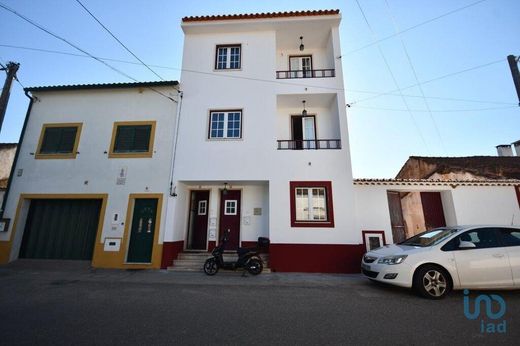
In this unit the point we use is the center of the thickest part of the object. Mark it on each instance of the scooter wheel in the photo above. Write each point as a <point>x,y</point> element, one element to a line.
<point>255,266</point>
<point>210,266</point>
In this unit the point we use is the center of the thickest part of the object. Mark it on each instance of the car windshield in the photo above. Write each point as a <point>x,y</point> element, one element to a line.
<point>429,238</point>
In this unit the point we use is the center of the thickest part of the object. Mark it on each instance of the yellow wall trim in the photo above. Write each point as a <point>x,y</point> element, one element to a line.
<point>149,153</point>
<point>105,259</point>
<point>71,155</point>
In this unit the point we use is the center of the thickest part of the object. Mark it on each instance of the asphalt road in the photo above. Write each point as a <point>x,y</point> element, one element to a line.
<point>69,303</point>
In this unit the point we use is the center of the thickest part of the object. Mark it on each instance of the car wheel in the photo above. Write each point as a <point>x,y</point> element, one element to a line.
<point>432,282</point>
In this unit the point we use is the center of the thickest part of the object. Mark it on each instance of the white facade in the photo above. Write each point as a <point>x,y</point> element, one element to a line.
<point>253,163</point>
<point>92,171</point>
<point>469,203</point>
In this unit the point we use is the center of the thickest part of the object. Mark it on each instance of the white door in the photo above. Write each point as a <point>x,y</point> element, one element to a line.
<point>487,264</point>
<point>300,66</point>
<point>309,133</point>
<point>511,239</point>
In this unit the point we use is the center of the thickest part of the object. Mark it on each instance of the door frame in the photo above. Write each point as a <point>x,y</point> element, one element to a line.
<point>301,56</point>
<point>156,247</point>
<point>187,225</point>
<point>6,247</point>
<point>219,204</point>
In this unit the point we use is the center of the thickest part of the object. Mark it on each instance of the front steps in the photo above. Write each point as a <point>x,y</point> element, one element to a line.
<point>194,261</point>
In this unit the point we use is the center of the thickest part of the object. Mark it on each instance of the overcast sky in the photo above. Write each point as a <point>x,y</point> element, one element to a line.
<point>465,114</point>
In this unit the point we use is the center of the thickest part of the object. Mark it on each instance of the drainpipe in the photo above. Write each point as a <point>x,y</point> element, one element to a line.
<point>17,153</point>
<point>174,150</point>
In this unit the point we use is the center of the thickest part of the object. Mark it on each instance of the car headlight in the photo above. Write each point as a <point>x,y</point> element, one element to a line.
<point>392,259</point>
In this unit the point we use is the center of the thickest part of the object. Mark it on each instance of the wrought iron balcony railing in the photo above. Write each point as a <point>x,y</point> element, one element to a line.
<point>309,144</point>
<point>321,73</point>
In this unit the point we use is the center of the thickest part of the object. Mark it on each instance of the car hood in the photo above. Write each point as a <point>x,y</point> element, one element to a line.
<point>394,249</point>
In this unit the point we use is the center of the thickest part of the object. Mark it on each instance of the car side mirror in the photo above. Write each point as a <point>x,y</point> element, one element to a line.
<point>466,245</point>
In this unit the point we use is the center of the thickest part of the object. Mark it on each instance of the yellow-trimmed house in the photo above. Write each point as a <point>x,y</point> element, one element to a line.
<point>69,199</point>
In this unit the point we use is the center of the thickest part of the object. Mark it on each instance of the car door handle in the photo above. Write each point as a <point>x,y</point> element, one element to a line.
<point>498,255</point>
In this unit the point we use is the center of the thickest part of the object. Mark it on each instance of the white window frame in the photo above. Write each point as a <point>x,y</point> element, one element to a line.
<point>226,122</point>
<point>235,206</point>
<point>202,208</point>
<point>373,235</point>
<point>310,207</point>
<point>228,57</point>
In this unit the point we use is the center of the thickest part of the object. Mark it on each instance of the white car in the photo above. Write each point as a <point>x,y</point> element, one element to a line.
<point>460,257</point>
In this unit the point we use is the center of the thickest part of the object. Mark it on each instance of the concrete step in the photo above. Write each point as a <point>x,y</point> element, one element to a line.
<point>194,261</point>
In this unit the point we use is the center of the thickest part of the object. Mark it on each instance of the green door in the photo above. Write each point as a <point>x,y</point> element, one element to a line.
<point>143,230</point>
<point>61,229</point>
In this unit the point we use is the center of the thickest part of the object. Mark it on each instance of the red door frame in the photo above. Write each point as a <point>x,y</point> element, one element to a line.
<point>224,219</point>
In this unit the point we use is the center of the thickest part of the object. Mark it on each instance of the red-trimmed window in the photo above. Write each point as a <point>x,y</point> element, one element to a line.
<point>311,204</point>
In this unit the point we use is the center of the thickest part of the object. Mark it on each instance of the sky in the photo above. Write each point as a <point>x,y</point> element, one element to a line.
<point>448,86</point>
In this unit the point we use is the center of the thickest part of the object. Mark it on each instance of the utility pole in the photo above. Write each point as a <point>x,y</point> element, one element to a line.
<point>10,69</point>
<point>513,65</point>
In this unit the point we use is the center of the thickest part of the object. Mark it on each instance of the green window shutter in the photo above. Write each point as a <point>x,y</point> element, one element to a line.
<point>67,140</point>
<point>58,140</point>
<point>131,138</point>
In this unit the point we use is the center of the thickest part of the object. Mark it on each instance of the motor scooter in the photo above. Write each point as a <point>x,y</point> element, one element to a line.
<point>248,258</point>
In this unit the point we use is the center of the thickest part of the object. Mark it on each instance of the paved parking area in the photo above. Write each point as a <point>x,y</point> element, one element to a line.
<point>64,303</point>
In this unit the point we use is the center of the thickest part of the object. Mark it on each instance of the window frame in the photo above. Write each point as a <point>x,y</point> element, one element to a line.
<point>228,62</point>
<point>327,185</point>
<point>144,154</point>
<point>226,116</point>
<point>235,206</point>
<point>72,155</point>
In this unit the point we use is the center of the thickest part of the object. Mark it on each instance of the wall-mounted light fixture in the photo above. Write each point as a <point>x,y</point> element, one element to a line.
<point>304,112</point>
<point>225,189</point>
<point>302,47</point>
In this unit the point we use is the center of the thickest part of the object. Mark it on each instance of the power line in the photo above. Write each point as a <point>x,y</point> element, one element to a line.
<point>451,74</point>
<point>78,48</point>
<point>436,111</point>
<point>118,40</point>
<point>414,27</point>
<point>414,121</point>
<point>49,51</point>
<point>394,21</point>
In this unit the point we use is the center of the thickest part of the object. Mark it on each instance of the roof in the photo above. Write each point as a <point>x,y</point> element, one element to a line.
<point>260,15</point>
<point>428,182</point>
<point>8,145</point>
<point>103,86</point>
<point>487,167</point>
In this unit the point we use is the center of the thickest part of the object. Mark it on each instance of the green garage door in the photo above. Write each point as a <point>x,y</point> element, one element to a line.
<point>61,229</point>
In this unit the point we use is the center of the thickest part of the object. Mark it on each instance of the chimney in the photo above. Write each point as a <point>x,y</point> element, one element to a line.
<point>517,147</point>
<point>504,150</point>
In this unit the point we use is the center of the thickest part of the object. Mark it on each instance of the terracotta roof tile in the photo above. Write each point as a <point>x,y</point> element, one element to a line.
<point>260,15</point>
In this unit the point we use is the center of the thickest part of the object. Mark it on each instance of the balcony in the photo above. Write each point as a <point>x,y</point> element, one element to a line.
<point>291,74</point>
<point>309,144</point>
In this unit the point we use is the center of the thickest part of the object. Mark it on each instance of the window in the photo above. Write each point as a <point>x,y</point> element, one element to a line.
<point>228,57</point>
<point>483,238</point>
<point>373,239</point>
<point>225,124</point>
<point>311,204</point>
<point>132,139</point>
<point>203,206</point>
<point>510,236</point>
<point>300,66</point>
<point>231,207</point>
<point>58,141</point>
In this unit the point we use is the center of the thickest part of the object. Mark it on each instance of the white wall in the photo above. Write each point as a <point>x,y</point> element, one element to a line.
<point>254,157</point>
<point>463,205</point>
<point>92,171</point>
